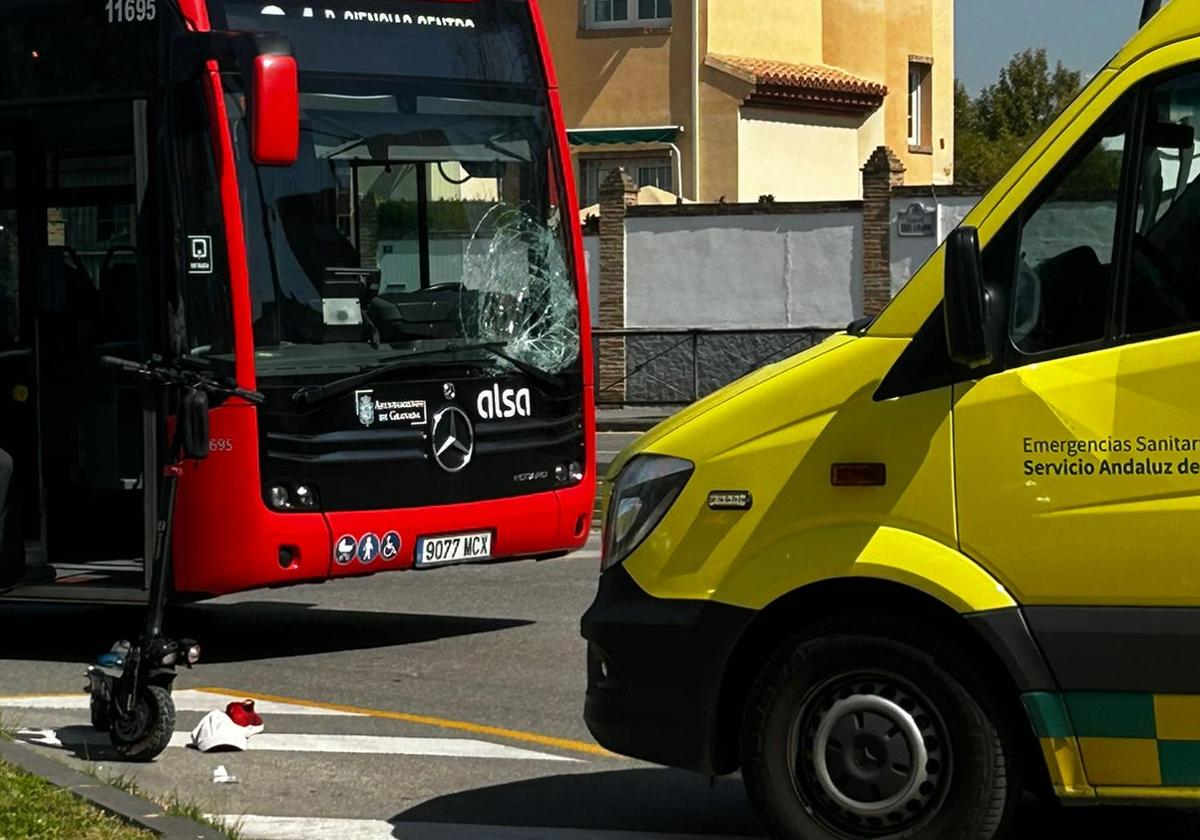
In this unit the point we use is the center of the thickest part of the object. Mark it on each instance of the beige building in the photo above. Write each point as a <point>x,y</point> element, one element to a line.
<point>772,97</point>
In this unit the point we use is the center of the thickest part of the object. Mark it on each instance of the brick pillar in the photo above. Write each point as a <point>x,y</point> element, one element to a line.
<point>617,194</point>
<point>882,172</point>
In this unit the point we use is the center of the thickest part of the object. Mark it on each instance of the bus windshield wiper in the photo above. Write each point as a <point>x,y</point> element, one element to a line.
<point>312,395</point>
<point>532,371</point>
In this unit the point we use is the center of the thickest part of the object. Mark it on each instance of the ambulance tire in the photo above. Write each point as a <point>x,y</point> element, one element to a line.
<point>878,728</point>
<point>148,732</point>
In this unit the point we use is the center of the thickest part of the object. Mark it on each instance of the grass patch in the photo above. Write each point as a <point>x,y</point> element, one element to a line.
<point>174,806</point>
<point>171,804</point>
<point>33,809</point>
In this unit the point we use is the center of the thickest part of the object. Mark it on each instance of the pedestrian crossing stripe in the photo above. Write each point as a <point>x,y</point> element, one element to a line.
<point>323,743</point>
<point>288,828</point>
<point>188,700</point>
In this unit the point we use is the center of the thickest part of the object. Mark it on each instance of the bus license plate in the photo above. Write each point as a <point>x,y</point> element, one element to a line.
<point>460,548</point>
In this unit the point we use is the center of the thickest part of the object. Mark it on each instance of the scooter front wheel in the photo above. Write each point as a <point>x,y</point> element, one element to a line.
<point>101,717</point>
<point>144,734</point>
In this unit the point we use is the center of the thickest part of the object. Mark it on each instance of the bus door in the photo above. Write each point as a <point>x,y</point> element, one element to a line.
<point>82,175</point>
<point>18,372</point>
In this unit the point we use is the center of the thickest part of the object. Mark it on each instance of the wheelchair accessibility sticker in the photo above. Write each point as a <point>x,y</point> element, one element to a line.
<point>390,548</point>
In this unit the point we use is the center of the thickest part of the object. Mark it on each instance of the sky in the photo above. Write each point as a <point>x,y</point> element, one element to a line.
<point>1083,34</point>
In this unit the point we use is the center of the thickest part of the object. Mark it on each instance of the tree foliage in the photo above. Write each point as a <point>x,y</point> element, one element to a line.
<point>994,128</point>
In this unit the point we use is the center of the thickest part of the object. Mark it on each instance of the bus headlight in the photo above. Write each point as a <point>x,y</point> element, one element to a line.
<point>641,496</point>
<point>292,497</point>
<point>279,498</point>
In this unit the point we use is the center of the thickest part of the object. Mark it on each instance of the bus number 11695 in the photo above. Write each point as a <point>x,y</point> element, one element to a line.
<point>130,11</point>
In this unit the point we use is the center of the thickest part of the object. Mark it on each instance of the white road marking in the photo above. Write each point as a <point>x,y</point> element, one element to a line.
<point>319,828</point>
<point>185,701</point>
<point>303,743</point>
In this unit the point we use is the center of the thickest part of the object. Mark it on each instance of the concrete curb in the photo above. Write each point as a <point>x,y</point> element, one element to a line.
<point>133,809</point>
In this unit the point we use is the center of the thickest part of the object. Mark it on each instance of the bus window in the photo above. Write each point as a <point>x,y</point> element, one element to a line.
<point>443,190</point>
<point>207,304</point>
<point>10,286</point>
<point>59,48</point>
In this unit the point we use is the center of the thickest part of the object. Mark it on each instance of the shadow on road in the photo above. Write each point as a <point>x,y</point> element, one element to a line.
<point>82,742</point>
<point>644,799</point>
<point>244,632</point>
<point>677,803</point>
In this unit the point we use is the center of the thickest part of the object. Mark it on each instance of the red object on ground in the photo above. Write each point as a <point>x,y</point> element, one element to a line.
<point>243,714</point>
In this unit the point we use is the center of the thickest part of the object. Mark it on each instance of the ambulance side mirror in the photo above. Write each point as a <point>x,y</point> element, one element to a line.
<point>192,424</point>
<point>274,111</point>
<point>966,300</point>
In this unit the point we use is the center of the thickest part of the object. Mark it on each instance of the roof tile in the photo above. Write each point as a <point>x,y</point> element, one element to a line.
<point>803,76</point>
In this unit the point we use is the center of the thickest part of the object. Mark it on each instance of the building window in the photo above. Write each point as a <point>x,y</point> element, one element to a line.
<point>114,224</point>
<point>656,175</point>
<point>649,171</point>
<point>920,106</point>
<point>604,14</point>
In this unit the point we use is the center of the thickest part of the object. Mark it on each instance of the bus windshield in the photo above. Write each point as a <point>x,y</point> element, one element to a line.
<point>425,210</point>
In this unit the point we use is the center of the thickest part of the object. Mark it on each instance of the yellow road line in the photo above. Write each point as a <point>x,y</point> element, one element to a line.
<point>426,720</point>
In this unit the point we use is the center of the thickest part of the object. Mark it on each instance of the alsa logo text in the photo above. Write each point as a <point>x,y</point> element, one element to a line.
<point>506,403</point>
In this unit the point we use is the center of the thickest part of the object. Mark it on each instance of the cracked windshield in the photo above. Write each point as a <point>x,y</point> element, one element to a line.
<point>420,219</point>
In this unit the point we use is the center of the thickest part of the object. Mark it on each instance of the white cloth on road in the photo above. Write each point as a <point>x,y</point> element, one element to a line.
<point>217,731</point>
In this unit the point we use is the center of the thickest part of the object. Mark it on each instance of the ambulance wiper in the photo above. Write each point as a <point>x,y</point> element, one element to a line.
<point>313,395</point>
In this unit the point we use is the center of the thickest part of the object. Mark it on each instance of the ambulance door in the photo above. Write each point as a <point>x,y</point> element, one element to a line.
<point>1078,465</point>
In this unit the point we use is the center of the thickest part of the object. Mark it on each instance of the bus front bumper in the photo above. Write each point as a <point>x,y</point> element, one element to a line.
<point>655,671</point>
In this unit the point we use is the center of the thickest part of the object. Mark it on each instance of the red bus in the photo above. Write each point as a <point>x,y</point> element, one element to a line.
<point>364,211</point>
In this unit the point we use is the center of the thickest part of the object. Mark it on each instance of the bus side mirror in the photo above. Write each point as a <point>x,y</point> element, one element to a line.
<point>966,300</point>
<point>274,111</point>
<point>192,424</point>
<point>271,79</point>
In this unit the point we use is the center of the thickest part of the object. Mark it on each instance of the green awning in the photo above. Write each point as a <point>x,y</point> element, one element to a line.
<point>623,136</point>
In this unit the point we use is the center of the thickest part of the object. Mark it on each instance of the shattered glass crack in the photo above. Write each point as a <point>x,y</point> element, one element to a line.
<point>517,267</point>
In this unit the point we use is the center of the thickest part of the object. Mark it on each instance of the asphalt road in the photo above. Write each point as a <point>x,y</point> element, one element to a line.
<point>425,705</point>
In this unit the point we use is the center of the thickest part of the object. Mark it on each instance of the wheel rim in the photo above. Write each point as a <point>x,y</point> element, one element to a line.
<point>130,729</point>
<point>871,755</point>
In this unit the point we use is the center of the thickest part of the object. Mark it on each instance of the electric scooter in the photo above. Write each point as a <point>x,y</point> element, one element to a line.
<point>130,686</point>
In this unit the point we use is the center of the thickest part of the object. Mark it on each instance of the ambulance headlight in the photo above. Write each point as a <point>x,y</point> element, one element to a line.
<point>641,496</point>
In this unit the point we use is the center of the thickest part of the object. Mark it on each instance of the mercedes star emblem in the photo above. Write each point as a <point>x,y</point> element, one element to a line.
<point>453,439</point>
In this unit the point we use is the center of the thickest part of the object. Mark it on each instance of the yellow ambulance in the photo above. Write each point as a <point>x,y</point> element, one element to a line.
<point>953,554</point>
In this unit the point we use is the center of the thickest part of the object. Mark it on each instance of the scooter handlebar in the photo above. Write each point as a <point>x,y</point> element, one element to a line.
<point>183,378</point>
<point>115,363</point>
<point>254,397</point>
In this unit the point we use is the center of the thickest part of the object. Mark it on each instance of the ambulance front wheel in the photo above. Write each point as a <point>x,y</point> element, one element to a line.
<point>872,728</point>
<point>145,734</point>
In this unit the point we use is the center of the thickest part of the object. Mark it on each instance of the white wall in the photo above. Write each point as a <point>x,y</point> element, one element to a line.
<point>591,262</point>
<point>1061,226</point>
<point>909,253</point>
<point>744,271</point>
<point>798,157</point>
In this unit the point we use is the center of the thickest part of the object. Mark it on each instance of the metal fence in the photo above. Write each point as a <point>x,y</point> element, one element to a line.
<point>672,367</point>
